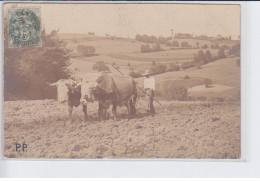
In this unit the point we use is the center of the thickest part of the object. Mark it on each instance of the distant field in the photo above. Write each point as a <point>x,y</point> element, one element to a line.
<point>146,59</point>
<point>226,42</point>
<point>223,73</point>
<point>107,46</point>
<point>193,42</point>
<point>168,55</point>
<point>123,51</point>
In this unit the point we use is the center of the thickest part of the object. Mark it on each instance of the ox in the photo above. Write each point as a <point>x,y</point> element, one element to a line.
<point>69,91</point>
<point>108,89</point>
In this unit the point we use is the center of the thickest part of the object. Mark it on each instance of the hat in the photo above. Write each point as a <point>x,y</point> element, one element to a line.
<point>147,72</point>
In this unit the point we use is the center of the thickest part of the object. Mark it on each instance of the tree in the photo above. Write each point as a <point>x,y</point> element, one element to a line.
<point>215,46</point>
<point>188,64</point>
<point>195,58</point>
<point>146,38</point>
<point>235,50</point>
<point>145,48</point>
<point>185,44</point>
<point>205,46</point>
<point>175,44</point>
<point>157,47</point>
<point>86,50</point>
<point>152,39</point>
<point>173,67</point>
<point>168,43</point>
<point>158,68</point>
<point>100,66</point>
<point>91,33</point>
<point>139,37</point>
<point>201,57</point>
<point>208,56</point>
<point>221,53</point>
<point>161,40</point>
<point>225,47</point>
<point>28,71</point>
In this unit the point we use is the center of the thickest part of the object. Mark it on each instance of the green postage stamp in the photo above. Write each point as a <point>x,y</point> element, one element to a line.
<point>24,27</point>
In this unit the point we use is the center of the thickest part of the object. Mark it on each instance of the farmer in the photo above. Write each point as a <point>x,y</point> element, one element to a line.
<point>149,87</point>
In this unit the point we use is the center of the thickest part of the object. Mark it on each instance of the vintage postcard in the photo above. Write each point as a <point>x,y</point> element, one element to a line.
<point>121,81</point>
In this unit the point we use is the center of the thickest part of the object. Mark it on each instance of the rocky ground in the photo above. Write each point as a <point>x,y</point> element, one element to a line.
<point>178,130</point>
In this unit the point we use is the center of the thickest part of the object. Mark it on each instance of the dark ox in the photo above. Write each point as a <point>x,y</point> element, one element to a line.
<point>74,96</point>
<point>117,90</point>
<point>70,91</point>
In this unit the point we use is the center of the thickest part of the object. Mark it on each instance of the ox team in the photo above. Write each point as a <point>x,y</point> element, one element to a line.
<point>108,89</point>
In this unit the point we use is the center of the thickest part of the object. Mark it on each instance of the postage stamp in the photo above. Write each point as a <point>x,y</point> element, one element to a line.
<point>24,27</point>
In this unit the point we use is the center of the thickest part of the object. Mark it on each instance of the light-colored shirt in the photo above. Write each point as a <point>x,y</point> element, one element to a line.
<point>62,90</point>
<point>149,83</point>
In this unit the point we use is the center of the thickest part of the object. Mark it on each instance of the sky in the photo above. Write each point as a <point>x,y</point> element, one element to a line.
<point>127,20</point>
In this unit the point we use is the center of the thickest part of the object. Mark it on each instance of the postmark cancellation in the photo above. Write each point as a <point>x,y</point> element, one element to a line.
<point>24,27</point>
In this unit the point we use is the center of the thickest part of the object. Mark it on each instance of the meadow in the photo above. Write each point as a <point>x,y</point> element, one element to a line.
<point>224,73</point>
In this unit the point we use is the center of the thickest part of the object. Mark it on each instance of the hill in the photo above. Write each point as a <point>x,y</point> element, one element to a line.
<point>225,74</point>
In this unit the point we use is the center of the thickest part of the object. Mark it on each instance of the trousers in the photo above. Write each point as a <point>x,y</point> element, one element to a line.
<point>149,100</point>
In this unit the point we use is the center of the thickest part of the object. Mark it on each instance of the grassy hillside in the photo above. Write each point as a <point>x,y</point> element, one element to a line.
<point>225,74</point>
<point>201,42</point>
<point>162,56</point>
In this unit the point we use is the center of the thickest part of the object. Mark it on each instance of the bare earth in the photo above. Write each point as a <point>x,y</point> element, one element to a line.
<point>178,130</point>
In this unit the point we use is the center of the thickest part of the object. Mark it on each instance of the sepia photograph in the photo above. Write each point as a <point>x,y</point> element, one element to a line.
<point>121,81</point>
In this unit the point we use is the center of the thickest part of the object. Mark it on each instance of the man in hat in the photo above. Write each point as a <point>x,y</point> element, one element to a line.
<point>149,87</point>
